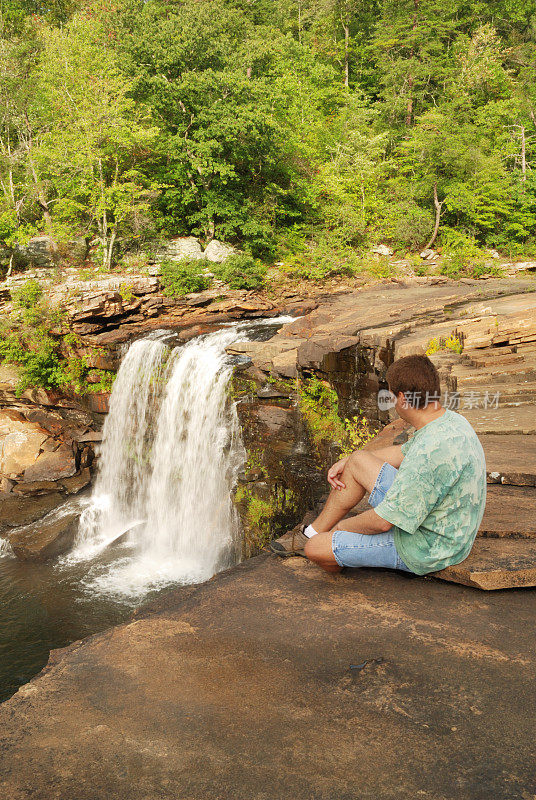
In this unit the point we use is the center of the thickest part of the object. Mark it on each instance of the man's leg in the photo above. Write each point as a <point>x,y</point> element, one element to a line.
<point>359,477</point>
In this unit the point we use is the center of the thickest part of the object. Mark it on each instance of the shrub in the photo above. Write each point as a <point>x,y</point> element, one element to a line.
<point>319,404</point>
<point>182,277</point>
<point>29,295</point>
<point>241,271</point>
<point>463,257</point>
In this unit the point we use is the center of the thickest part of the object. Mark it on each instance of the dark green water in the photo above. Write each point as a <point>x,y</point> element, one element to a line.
<point>42,607</point>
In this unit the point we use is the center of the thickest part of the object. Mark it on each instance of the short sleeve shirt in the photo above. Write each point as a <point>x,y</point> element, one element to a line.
<point>436,502</point>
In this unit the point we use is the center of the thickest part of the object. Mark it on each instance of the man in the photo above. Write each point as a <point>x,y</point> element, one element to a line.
<point>427,496</point>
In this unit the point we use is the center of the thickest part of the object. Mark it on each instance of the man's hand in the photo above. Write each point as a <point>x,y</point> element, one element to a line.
<point>334,472</point>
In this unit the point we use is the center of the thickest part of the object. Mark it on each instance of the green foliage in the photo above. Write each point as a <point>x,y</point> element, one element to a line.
<point>182,277</point>
<point>319,404</point>
<point>304,132</point>
<point>29,295</point>
<point>462,256</point>
<point>241,271</point>
<point>43,360</point>
<point>452,342</point>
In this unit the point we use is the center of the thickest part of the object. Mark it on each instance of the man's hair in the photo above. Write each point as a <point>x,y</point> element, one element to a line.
<point>417,378</point>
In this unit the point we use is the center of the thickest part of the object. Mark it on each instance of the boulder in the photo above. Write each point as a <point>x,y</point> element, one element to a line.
<point>52,466</point>
<point>20,445</point>
<point>77,482</point>
<point>181,248</point>
<point>219,251</point>
<point>427,254</point>
<point>16,510</point>
<point>382,250</point>
<point>47,538</point>
<point>41,251</point>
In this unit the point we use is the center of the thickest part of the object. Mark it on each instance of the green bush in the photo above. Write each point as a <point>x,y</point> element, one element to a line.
<point>241,271</point>
<point>29,295</point>
<point>182,277</point>
<point>463,257</point>
<point>39,363</point>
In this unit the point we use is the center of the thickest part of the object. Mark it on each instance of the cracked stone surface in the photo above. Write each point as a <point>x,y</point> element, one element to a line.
<point>241,689</point>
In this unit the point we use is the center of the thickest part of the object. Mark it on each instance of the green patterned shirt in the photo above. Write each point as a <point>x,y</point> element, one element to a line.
<point>437,500</point>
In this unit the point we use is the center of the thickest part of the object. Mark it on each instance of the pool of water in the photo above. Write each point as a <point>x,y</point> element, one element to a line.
<point>43,607</point>
<point>50,605</point>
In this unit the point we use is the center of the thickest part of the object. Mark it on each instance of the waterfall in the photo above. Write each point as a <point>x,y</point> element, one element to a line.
<point>170,455</point>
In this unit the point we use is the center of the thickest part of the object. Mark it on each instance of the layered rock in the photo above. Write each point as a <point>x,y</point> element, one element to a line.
<point>349,342</point>
<point>46,454</point>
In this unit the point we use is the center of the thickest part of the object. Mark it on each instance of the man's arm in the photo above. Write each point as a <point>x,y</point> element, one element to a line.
<point>392,455</point>
<point>368,522</point>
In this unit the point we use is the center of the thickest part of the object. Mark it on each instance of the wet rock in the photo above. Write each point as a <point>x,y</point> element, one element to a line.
<point>17,510</point>
<point>52,466</point>
<point>219,251</point>
<point>98,402</point>
<point>269,391</point>
<point>47,538</point>
<point>35,487</point>
<point>77,482</point>
<point>274,417</point>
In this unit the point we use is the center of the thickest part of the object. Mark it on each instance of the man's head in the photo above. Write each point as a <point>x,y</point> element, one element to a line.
<point>414,381</point>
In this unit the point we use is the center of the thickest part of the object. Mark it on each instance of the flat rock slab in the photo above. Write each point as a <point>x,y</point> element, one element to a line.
<point>243,690</point>
<point>512,460</point>
<point>504,420</point>
<point>495,564</point>
<point>510,512</point>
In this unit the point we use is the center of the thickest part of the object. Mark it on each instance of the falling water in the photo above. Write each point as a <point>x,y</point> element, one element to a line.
<point>170,456</point>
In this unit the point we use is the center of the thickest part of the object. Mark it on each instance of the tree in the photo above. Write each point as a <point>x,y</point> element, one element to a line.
<point>93,140</point>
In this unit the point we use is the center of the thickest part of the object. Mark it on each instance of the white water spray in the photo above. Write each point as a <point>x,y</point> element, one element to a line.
<point>170,456</point>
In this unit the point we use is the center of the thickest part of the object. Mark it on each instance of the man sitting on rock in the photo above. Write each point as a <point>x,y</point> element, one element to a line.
<point>427,496</point>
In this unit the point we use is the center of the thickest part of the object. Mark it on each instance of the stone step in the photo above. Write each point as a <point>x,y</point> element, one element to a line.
<point>490,357</point>
<point>498,374</point>
<point>512,460</point>
<point>510,513</point>
<point>503,420</point>
<point>474,394</point>
<point>495,564</point>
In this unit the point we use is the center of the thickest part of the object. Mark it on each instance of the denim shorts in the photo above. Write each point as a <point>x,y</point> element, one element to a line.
<point>364,550</point>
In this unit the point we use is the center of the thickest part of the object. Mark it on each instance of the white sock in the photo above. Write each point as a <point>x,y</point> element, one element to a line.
<point>309,531</point>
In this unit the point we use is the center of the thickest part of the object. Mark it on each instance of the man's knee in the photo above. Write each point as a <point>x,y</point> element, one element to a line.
<point>364,467</point>
<point>318,548</point>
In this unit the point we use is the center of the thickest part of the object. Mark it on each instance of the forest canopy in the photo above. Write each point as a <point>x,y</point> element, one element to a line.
<point>288,127</point>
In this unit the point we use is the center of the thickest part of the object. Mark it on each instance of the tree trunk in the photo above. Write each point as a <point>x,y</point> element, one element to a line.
<point>523,153</point>
<point>438,206</point>
<point>346,54</point>
<point>409,106</point>
<point>110,249</point>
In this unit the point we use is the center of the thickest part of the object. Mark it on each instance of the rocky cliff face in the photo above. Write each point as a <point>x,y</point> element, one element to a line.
<point>47,450</point>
